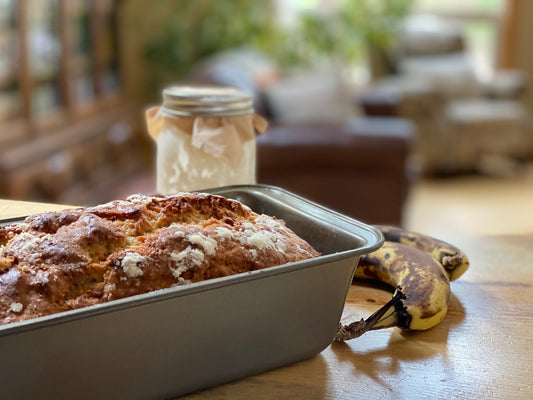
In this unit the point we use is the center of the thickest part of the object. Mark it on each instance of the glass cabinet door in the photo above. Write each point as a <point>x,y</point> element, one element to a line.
<point>108,40</point>
<point>10,97</point>
<point>82,84</point>
<point>44,55</point>
<point>57,57</point>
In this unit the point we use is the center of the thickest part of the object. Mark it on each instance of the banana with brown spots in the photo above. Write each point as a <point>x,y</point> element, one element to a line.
<point>454,261</point>
<point>422,290</point>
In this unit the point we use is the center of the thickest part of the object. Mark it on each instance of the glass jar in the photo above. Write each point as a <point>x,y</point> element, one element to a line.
<point>205,138</point>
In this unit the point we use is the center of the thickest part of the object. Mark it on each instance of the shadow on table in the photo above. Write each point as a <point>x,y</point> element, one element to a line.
<point>402,347</point>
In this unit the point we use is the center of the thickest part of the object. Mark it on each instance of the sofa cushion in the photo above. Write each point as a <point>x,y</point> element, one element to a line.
<point>319,96</point>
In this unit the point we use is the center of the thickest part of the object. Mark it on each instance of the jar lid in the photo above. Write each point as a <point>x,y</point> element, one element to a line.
<point>206,101</point>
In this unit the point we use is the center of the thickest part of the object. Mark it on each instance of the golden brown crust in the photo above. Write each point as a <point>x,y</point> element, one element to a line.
<point>65,260</point>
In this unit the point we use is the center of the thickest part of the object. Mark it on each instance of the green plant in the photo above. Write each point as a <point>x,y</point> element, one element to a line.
<point>196,29</point>
<point>344,33</point>
<point>192,30</point>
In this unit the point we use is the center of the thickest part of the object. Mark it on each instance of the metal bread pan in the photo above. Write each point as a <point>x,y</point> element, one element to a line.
<point>175,341</point>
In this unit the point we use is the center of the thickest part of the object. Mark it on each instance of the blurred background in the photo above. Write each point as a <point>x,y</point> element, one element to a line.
<point>412,112</point>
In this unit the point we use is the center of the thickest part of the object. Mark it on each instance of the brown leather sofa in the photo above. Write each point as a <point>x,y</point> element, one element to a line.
<point>357,168</point>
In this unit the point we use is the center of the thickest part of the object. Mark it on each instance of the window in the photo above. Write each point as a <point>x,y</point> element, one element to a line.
<point>481,21</point>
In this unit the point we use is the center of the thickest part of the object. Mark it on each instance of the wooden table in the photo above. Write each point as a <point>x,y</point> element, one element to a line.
<point>481,350</point>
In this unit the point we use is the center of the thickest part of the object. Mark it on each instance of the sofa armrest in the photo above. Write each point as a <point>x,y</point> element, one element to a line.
<point>379,103</point>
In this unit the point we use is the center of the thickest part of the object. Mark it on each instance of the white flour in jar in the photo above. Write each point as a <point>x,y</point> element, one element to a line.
<point>181,167</point>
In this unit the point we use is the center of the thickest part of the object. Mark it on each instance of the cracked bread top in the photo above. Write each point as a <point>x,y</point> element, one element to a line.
<point>65,260</point>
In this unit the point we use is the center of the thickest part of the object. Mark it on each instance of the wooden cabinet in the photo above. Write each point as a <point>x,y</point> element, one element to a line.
<point>66,132</point>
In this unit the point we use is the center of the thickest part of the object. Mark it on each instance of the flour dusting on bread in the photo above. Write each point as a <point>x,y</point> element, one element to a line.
<point>65,260</point>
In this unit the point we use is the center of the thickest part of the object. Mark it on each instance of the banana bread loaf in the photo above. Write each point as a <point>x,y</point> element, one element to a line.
<point>59,261</point>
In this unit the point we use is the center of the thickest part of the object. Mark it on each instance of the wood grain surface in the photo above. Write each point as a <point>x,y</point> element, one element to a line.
<point>14,208</point>
<point>481,350</point>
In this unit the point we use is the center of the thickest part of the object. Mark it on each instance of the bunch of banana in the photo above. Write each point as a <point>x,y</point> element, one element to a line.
<point>450,257</point>
<point>420,269</point>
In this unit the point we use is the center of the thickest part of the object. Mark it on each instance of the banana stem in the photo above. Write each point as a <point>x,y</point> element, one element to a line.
<point>388,320</point>
<point>386,317</point>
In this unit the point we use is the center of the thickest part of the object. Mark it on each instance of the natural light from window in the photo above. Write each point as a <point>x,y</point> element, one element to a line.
<point>481,20</point>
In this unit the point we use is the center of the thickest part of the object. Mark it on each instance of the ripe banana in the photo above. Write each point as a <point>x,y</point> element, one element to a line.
<point>452,259</point>
<point>420,300</point>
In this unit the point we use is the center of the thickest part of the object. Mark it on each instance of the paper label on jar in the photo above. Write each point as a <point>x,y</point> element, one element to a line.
<point>222,137</point>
